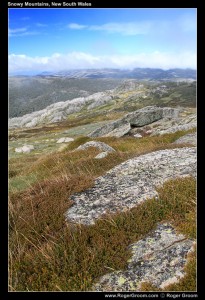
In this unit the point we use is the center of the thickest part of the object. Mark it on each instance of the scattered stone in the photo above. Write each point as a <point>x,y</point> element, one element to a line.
<point>159,259</point>
<point>100,145</point>
<point>137,135</point>
<point>64,140</point>
<point>188,138</point>
<point>102,155</point>
<point>24,149</point>
<point>131,183</point>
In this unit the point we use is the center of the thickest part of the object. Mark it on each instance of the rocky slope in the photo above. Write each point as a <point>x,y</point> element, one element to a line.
<point>129,96</point>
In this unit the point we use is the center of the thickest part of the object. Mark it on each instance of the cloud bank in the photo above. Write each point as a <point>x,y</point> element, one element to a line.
<point>81,60</point>
<point>128,28</point>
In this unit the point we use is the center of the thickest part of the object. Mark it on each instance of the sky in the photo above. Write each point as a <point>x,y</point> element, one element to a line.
<point>53,40</point>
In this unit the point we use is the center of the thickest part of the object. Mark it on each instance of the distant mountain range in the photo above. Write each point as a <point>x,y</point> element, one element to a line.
<point>137,73</point>
<point>28,94</point>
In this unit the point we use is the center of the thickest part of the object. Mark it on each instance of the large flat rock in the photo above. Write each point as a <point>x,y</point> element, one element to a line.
<point>131,183</point>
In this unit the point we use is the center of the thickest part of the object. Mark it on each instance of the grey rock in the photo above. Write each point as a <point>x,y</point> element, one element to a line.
<point>188,138</point>
<point>144,116</point>
<point>159,259</point>
<point>138,118</point>
<point>101,155</point>
<point>100,145</point>
<point>64,140</point>
<point>24,149</point>
<point>170,126</point>
<point>169,112</point>
<point>137,135</point>
<point>175,128</point>
<point>131,183</point>
<point>120,131</point>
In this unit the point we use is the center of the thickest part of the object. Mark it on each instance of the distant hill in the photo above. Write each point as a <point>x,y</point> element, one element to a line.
<point>137,73</point>
<point>129,96</point>
<point>32,93</point>
<point>28,94</point>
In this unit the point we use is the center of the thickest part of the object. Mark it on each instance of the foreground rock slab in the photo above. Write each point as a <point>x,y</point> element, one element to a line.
<point>131,183</point>
<point>159,259</point>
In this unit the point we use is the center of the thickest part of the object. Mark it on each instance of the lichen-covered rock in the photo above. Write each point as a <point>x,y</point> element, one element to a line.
<point>131,183</point>
<point>175,128</point>
<point>170,126</point>
<point>188,138</point>
<point>100,145</point>
<point>158,258</point>
<point>138,118</point>
<point>119,131</point>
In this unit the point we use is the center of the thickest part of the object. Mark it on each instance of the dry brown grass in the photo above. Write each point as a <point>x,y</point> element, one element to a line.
<point>46,253</point>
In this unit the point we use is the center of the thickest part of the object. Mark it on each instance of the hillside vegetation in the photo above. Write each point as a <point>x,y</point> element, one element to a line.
<point>49,253</point>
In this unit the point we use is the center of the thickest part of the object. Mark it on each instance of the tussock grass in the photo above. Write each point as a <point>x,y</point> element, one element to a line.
<point>48,255</point>
<point>31,169</point>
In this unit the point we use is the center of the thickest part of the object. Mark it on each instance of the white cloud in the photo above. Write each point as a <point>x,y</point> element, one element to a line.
<point>25,18</point>
<point>76,26</point>
<point>80,60</point>
<point>129,28</point>
<point>132,28</point>
<point>21,32</point>
<point>41,25</point>
<point>17,30</point>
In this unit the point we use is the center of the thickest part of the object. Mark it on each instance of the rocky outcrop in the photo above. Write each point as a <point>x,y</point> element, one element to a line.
<point>100,145</point>
<point>60,111</point>
<point>171,126</point>
<point>187,138</point>
<point>117,128</point>
<point>131,183</point>
<point>158,258</point>
<point>24,149</point>
<point>138,118</point>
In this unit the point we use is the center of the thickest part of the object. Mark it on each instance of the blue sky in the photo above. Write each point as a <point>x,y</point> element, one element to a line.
<point>58,39</point>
